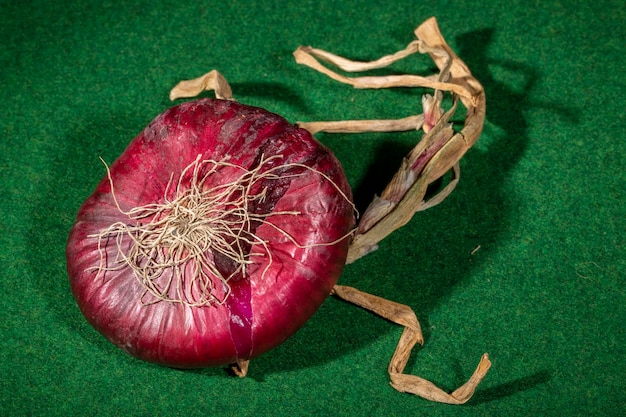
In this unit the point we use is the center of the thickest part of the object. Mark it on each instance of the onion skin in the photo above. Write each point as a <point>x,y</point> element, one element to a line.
<point>261,311</point>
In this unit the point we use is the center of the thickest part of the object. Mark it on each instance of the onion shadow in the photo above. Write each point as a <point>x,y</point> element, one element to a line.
<point>477,213</point>
<point>269,92</point>
<point>511,388</point>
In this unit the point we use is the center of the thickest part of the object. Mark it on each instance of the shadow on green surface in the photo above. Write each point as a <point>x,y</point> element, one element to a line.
<point>511,388</point>
<point>273,92</point>
<point>481,210</point>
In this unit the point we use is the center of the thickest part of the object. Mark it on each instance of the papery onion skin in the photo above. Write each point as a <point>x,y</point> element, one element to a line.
<point>262,311</point>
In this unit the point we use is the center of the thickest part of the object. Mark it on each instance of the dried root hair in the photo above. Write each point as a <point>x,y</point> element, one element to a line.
<point>171,245</point>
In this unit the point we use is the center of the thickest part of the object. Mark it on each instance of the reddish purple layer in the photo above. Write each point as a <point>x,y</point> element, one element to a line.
<point>261,313</point>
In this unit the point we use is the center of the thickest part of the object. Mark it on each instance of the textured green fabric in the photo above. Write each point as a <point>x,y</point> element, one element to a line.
<point>541,194</point>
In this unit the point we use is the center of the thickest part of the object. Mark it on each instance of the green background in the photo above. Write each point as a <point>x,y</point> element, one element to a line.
<point>542,193</point>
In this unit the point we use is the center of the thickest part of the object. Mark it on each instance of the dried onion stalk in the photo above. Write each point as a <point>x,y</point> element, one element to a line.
<point>438,151</point>
<point>172,237</point>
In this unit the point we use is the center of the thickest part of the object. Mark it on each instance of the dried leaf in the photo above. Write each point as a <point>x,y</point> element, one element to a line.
<point>412,335</point>
<point>439,149</point>
<point>212,80</point>
<point>359,126</point>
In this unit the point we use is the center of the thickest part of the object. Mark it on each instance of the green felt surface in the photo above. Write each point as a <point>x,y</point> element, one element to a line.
<point>542,194</point>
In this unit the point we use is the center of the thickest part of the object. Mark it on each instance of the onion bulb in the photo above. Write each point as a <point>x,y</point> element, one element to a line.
<point>214,237</point>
